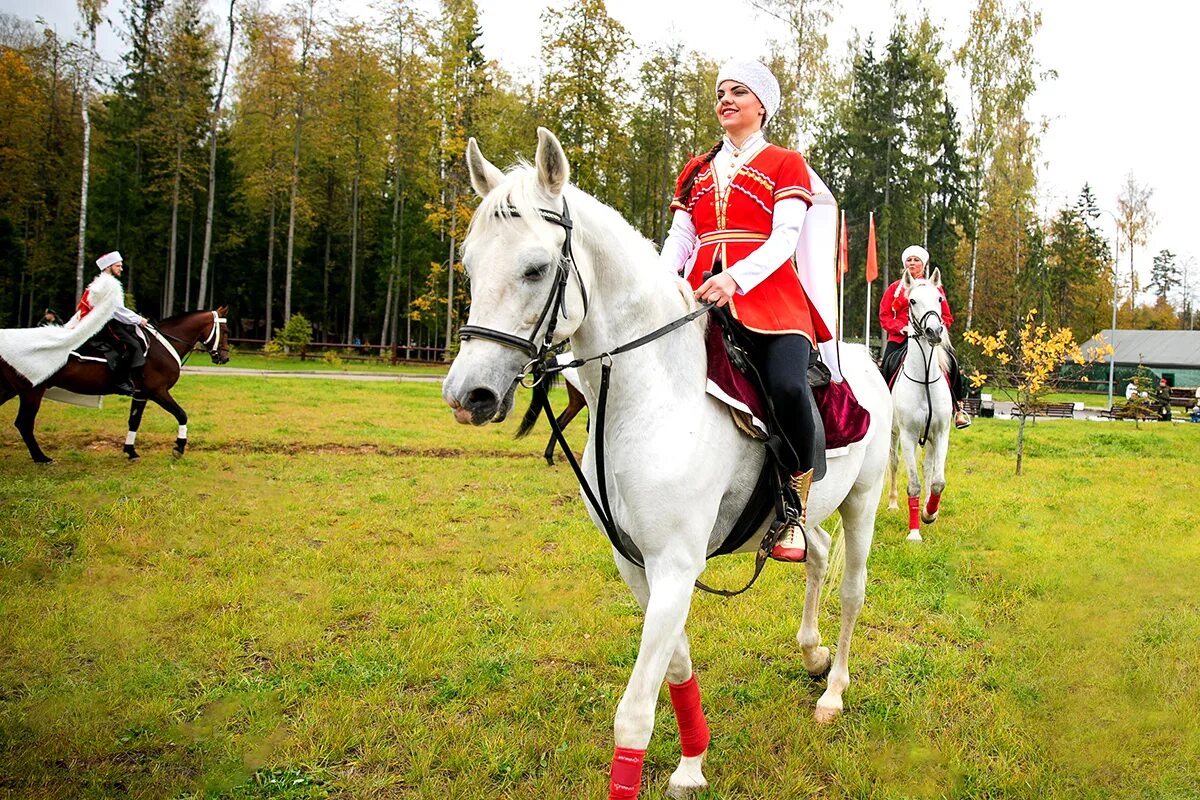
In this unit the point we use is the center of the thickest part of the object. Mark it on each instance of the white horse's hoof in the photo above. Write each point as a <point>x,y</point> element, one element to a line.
<point>687,780</point>
<point>820,664</point>
<point>893,505</point>
<point>824,715</point>
<point>914,535</point>
<point>929,520</point>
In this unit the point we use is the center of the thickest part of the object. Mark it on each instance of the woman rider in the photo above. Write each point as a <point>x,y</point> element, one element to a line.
<point>742,205</point>
<point>893,317</point>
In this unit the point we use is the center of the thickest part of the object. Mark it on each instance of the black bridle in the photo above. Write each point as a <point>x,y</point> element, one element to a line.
<point>929,380</point>
<point>211,343</point>
<point>555,304</point>
<point>543,364</point>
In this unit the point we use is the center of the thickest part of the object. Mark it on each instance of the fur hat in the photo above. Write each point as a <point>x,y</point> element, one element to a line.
<point>108,259</point>
<point>915,250</point>
<point>757,78</point>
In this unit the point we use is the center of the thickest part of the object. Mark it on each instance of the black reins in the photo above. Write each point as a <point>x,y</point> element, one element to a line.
<point>543,364</point>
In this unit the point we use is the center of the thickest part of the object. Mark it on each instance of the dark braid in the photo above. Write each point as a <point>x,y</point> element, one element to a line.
<point>685,190</point>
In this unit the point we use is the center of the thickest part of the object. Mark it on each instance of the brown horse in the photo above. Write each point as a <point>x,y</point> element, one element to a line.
<point>180,334</point>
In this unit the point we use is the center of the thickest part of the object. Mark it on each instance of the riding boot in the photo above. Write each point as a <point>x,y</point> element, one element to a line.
<point>791,545</point>
<point>961,418</point>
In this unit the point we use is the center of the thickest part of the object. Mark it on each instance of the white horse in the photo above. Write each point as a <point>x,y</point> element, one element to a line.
<point>678,470</point>
<point>921,403</point>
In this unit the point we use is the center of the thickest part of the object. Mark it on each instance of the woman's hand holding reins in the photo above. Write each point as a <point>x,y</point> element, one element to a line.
<point>718,289</point>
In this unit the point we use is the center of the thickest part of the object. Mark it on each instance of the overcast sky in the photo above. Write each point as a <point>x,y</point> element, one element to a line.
<point>1120,103</point>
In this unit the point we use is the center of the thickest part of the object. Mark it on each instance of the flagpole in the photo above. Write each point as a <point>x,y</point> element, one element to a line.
<point>870,254</point>
<point>842,279</point>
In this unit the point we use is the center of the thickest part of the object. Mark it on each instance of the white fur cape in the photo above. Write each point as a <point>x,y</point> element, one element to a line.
<point>38,353</point>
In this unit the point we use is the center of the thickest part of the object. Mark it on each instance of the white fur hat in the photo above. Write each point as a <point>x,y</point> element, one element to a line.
<point>108,259</point>
<point>918,251</point>
<point>757,78</point>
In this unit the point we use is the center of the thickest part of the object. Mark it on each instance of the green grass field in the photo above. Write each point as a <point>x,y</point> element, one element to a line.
<point>339,592</point>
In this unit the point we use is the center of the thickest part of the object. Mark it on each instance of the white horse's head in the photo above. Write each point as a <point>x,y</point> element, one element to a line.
<point>527,286</point>
<point>925,306</point>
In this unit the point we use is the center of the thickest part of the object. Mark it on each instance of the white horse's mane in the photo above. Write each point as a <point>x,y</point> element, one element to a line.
<point>520,195</point>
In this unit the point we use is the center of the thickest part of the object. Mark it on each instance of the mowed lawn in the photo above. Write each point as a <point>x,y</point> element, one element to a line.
<point>338,592</point>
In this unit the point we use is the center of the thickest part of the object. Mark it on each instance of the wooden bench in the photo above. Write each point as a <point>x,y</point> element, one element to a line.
<point>1126,411</point>
<point>1183,397</point>
<point>980,406</point>
<point>1058,410</point>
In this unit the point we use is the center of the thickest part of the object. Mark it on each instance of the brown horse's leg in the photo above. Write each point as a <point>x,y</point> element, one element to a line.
<point>575,404</point>
<point>136,407</point>
<point>167,403</point>
<point>31,401</point>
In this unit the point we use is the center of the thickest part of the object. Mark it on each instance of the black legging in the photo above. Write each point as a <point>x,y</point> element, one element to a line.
<point>956,381</point>
<point>135,357</point>
<point>782,360</point>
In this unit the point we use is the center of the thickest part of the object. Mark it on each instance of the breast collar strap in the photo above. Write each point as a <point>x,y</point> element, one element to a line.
<point>556,301</point>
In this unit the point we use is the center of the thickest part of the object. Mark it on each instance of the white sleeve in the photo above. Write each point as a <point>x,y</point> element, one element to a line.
<point>680,244</point>
<point>123,314</point>
<point>776,250</point>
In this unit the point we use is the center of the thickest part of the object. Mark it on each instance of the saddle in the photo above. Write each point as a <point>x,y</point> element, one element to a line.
<point>733,378</point>
<point>105,345</point>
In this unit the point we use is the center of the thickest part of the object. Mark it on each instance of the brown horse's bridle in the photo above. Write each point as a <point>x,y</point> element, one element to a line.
<point>212,342</point>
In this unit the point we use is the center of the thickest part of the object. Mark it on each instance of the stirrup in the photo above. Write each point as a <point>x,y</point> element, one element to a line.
<point>792,544</point>
<point>962,419</point>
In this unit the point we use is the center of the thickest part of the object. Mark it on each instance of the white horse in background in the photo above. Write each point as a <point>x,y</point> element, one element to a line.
<point>678,470</point>
<point>922,405</point>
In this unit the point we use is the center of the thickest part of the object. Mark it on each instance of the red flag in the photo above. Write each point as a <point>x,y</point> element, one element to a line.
<point>843,251</point>
<point>872,260</point>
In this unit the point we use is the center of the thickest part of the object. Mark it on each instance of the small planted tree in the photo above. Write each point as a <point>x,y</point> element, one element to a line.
<point>1027,369</point>
<point>295,335</point>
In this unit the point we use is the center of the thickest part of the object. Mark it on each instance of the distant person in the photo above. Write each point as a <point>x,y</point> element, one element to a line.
<point>122,325</point>
<point>893,316</point>
<point>49,318</point>
<point>1130,391</point>
<point>1163,398</point>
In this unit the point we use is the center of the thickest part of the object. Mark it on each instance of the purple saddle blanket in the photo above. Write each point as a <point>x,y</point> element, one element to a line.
<point>846,421</point>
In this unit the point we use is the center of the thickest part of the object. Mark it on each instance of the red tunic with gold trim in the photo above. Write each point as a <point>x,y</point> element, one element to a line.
<point>733,221</point>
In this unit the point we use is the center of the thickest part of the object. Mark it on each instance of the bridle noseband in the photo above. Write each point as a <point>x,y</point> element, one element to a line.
<point>212,342</point>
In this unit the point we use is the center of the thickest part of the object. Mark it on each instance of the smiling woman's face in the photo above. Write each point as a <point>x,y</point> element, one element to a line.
<point>738,109</point>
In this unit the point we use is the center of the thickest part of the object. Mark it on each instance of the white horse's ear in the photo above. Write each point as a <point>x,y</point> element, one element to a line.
<point>936,277</point>
<point>552,168</point>
<point>484,175</point>
<point>906,280</point>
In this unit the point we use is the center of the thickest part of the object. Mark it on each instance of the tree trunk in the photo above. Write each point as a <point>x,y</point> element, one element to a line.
<point>187,285</point>
<point>974,255</point>
<point>271,266</point>
<point>450,281</point>
<point>353,257</point>
<point>173,245</point>
<point>306,36</point>
<point>399,264</point>
<point>85,101</point>
<point>212,163</point>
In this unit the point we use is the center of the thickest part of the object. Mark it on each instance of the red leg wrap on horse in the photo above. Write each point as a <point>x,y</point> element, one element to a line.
<point>626,773</point>
<point>931,506</point>
<point>914,513</point>
<point>693,727</point>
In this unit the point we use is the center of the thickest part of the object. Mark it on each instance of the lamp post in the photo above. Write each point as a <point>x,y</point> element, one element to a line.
<point>1112,357</point>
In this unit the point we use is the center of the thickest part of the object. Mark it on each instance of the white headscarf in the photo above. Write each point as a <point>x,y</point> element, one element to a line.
<point>915,250</point>
<point>757,78</point>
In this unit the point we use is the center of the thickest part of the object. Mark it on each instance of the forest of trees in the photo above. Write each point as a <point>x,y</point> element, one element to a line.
<point>337,187</point>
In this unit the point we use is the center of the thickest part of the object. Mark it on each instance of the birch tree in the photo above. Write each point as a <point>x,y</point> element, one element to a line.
<point>212,162</point>
<point>997,60</point>
<point>90,11</point>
